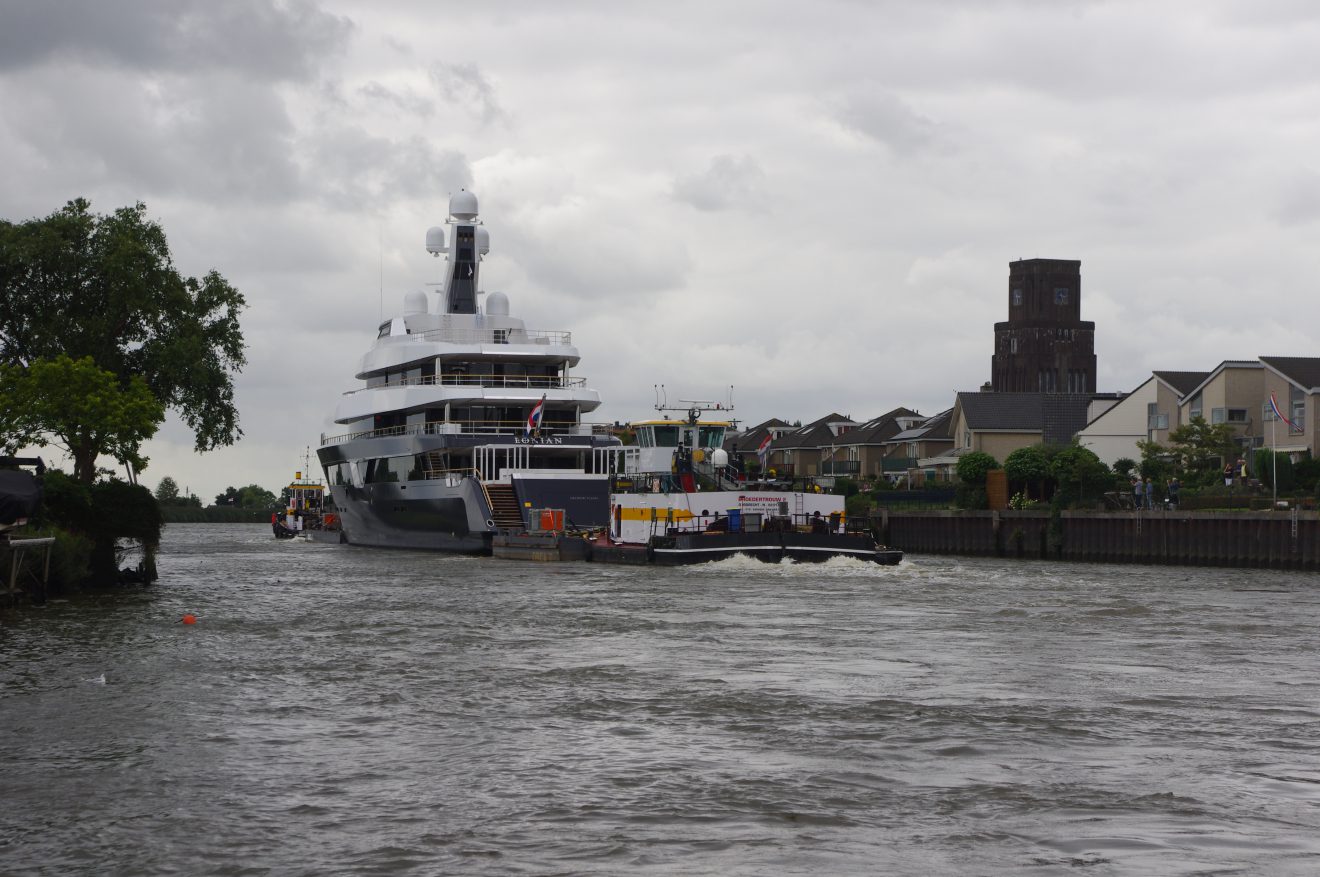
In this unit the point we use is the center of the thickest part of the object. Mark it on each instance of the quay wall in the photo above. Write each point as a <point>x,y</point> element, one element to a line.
<point>1267,540</point>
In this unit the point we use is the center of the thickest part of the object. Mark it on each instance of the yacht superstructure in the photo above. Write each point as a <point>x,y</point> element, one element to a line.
<point>467,419</point>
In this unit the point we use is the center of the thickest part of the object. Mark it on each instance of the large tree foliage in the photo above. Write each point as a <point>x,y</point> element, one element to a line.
<point>1080,473</point>
<point>251,497</point>
<point>1198,451</point>
<point>83,410</point>
<point>105,287</point>
<point>1028,466</point>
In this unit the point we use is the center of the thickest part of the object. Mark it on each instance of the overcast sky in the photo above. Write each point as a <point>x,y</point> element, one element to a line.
<point>815,203</point>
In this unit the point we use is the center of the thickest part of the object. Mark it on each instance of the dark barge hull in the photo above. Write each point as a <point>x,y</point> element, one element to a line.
<point>766,546</point>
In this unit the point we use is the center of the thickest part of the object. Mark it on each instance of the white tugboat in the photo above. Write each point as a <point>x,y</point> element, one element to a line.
<point>468,421</point>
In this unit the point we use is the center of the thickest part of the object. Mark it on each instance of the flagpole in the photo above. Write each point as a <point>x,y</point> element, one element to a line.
<point>1274,459</point>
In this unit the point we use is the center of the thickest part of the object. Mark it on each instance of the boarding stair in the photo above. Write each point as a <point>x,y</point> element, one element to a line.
<point>505,509</point>
<point>434,464</point>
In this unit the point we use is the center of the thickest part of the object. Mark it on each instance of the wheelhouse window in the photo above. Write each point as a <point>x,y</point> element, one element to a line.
<point>666,436</point>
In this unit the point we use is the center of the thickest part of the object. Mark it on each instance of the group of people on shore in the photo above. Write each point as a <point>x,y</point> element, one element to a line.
<point>1143,493</point>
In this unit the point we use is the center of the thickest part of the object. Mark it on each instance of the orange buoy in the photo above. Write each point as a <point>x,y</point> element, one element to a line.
<point>190,619</point>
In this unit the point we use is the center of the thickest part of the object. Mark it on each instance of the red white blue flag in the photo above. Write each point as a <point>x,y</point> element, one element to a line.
<point>763,448</point>
<point>534,419</point>
<point>1274,403</point>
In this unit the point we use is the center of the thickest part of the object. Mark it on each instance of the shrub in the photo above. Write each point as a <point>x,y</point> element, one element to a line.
<point>973,467</point>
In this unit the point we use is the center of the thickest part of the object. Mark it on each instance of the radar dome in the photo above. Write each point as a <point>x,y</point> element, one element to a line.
<point>414,303</point>
<point>463,205</point>
<point>483,240</point>
<point>719,457</point>
<point>497,305</point>
<point>435,240</point>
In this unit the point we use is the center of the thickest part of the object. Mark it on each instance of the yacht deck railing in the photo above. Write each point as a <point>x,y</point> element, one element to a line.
<point>492,381</point>
<point>495,336</point>
<point>483,427</point>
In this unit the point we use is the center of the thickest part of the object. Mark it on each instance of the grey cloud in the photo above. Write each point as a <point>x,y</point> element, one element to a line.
<point>404,100</point>
<point>464,84</point>
<point>256,38</point>
<point>222,138</point>
<point>1300,201</point>
<point>886,119</point>
<point>728,182</point>
<point>353,169</point>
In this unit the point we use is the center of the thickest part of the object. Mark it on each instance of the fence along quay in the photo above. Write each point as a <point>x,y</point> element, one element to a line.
<point>1266,540</point>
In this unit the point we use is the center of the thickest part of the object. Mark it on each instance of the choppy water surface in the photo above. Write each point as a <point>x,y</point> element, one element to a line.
<point>342,710</point>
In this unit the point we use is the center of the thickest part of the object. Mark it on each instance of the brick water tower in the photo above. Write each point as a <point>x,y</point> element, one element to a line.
<point>1045,346</point>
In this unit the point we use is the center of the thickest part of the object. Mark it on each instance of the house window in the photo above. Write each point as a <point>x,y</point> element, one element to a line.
<point>1017,298</point>
<point>1194,409</point>
<point>1154,419</point>
<point>1061,295</point>
<point>1237,415</point>
<point>1298,406</point>
<point>967,438</point>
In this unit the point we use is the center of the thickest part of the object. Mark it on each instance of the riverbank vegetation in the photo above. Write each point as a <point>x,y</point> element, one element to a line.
<point>100,336</point>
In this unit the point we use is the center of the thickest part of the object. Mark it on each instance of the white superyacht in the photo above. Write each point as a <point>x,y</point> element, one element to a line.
<point>468,421</point>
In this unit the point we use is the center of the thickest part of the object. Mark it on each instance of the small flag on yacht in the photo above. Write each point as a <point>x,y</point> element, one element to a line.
<point>534,419</point>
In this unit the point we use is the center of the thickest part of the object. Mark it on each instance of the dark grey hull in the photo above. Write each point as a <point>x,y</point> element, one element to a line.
<point>433,518</point>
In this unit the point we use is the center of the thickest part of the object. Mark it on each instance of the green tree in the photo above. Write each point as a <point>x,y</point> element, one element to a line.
<point>1027,466</point>
<point>1158,463</point>
<point>973,467</point>
<point>1080,473</point>
<point>972,470</point>
<point>1201,449</point>
<point>167,491</point>
<point>105,287</point>
<point>84,410</point>
<point>250,497</point>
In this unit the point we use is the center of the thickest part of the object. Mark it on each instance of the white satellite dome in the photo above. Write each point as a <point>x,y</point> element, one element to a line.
<point>463,205</point>
<point>414,303</point>
<point>497,305</point>
<point>435,240</point>
<point>483,240</point>
<point>719,457</point>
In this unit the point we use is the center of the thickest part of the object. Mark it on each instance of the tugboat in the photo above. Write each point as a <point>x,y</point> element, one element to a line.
<point>466,419</point>
<point>307,514</point>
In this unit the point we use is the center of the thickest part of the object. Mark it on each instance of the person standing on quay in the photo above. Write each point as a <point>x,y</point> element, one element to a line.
<point>1173,491</point>
<point>1136,492</point>
<point>1150,495</point>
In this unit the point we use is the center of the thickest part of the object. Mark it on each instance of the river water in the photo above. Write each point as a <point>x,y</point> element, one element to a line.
<point>353,711</point>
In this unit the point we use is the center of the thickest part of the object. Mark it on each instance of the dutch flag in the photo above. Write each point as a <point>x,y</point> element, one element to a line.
<point>534,419</point>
